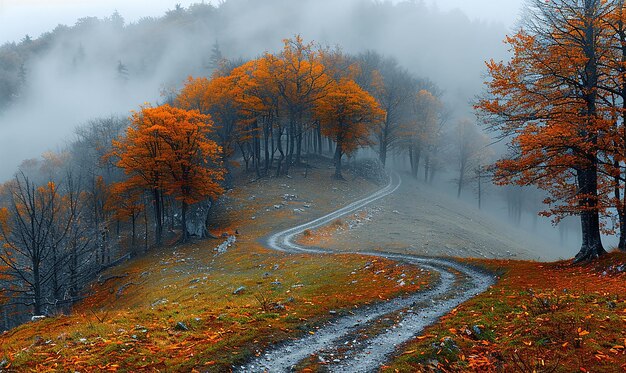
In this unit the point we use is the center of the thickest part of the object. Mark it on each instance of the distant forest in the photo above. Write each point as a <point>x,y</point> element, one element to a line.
<point>179,43</point>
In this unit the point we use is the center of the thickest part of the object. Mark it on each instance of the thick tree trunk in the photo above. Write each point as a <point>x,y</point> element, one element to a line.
<point>589,218</point>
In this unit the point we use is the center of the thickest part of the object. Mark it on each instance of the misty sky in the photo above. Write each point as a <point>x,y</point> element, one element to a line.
<point>33,17</point>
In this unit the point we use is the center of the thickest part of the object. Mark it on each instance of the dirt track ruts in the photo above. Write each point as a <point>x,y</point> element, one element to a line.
<point>456,284</point>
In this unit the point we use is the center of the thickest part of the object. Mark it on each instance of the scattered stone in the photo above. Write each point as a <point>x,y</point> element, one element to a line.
<point>275,268</point>
<point>37,318</point>
<point>477,330</point>
<point>194,281</point>
<point>224,246</point>
<point>278,207</point>
<point>290,300</point>
<point>159,302</point>
<point>239,290</point>
<point>612,305</point>
<point>332,312</point>
<point>180,326</point>
<point>276,283</point>
<point>278,306</point>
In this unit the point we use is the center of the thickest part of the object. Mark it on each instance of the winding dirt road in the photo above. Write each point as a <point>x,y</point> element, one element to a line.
<point>340,344</point>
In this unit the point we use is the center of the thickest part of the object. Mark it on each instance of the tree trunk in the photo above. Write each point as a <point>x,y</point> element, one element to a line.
<point>319,139</point>
<point>37,296</point>
<point>589,218</point>
<point>461,181</point>
<point>158,233</point>
<point>338,155</point>
<point>133,239</point>
<point>183,213</point>
<point>416,161</point>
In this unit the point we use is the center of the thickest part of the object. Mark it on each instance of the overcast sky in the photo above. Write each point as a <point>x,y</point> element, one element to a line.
<point>33,17</point>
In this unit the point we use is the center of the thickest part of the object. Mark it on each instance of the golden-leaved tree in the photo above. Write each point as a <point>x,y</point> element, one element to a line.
<point>547,99</point>
<point>348,115</point>
<point>167,150</point>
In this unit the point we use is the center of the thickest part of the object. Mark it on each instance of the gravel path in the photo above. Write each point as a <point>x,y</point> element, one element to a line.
<point>339,340</point>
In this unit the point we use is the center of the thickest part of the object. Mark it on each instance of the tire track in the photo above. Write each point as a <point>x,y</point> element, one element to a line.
<point>457,283</point>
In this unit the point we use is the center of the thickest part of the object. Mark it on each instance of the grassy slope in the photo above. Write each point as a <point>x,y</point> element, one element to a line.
<point>539,317</point>
<point>130,323</point>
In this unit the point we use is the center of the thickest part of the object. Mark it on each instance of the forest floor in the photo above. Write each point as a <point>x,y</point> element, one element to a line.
<point>195,308</point>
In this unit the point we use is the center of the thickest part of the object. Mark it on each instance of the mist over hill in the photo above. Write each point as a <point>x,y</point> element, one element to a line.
<point>100,67</point>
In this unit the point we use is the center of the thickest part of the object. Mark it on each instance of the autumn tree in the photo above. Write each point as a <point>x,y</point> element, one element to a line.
<point>348,114</point>
<point>546,99</point>
<point>302,80</point>
<point>216,97</point>
<point>166,151</point>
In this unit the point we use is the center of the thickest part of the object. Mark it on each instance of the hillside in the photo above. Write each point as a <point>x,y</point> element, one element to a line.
<point>419,219</point>
<point>193,306</point>
<point>210,307</point>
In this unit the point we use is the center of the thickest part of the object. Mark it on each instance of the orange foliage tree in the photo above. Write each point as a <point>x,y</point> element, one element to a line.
<point>547,100</point>
<point>166,150</point>
<point>347,114</point>
<point>215,97</point>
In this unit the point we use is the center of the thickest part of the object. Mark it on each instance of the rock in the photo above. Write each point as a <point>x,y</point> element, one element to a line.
<point>37,318</point>
<point>275,268</point>
<point>278,306</point>
<point>611,305</point>
<point>278,207</point>
<point>476,329</point>
<point>371,169</point>
<point>180,326</point>
<point>307,205</point>
<point>194,281</point>
<point>332,312</point>
<point>290,300</point>
<point>159,302</point>
<point>239,290</point>
<point>276,283</point>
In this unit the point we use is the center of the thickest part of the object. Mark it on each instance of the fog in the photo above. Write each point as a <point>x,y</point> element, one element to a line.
<point>75,77</point>
<point>72,74</point>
